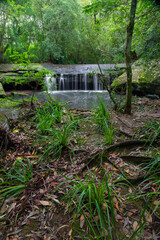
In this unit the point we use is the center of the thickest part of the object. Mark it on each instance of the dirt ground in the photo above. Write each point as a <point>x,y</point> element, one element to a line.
<point>41,211</point>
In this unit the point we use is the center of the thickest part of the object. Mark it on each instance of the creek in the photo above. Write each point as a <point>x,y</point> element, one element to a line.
<point>78,84</point>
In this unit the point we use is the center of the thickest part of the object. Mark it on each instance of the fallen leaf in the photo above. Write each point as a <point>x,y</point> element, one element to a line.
<point>16,130</point>
<point>106,165</point>
<point>126,222</point>
<point>135,225</point>
<point>134,210</point>
<point>118,217</point>
<point>115,200</point>
<point>117,206</point>
<point>130,214</point>
<point>70,234</point>
<point>13,205</point>
<point>44,203</point>
<point>42,191</point>
<point>53,183</point>
<point>148,218</point>
<point>82,221</point>
<point>156,202</point>
<point>97,218</point>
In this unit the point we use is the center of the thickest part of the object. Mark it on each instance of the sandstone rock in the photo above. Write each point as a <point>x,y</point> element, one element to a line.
<point>143,82</point>
<point>2,92</point>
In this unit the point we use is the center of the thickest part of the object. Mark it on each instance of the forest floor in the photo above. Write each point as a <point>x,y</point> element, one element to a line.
<point>60,194</point>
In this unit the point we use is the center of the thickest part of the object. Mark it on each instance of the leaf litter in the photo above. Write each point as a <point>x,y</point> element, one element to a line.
<point>39,212</point>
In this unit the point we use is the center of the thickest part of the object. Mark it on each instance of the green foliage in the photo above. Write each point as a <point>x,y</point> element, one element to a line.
<point>149,188</point>
<point>151,131</point>
<point>60,139</point>
<point>102,119</point>
<point>89,196</point>
<point>47,116</point>
<point>92,199</point>
<point>56,125</point>
<point>16,180</point>
<point>60,32</point>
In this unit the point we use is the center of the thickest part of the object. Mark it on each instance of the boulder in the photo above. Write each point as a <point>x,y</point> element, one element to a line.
<point>2,92</point>
<point>143,82</point>
<point>19,76</point>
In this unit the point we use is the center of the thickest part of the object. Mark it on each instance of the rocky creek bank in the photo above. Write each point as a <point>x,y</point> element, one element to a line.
<point>28,77</point>
<point>20,77</point>
<point>144,82</point>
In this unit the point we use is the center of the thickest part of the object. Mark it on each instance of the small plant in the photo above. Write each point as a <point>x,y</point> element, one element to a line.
<point>47,115</point>
<point>151,131</point>
<point>102,118</point>
<point>16,180</point>
<point>94,201</point>
<point>60,139</point>
<point>101,115</point>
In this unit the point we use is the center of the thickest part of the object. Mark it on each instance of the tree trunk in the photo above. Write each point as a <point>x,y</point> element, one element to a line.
<point>128,57</point>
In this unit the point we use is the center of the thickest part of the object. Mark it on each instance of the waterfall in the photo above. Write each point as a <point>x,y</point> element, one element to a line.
<point>85,81</point>
<point>76,82</point>
<point>50,82</point>
<point>95,82</point>
<point>63,82</point>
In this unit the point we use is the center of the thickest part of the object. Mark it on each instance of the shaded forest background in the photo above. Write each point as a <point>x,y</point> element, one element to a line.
<point>62,31</point>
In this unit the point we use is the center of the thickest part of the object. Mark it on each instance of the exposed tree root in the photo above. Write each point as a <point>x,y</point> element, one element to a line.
<point>128,143</point>
<point>7,139</point>
<point>136,159</point>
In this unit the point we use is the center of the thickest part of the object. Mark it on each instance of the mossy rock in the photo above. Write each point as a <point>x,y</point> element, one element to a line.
<point>22,77</point>
<point>143,82</point>
<point>2,92</point>
<point>19,94</point>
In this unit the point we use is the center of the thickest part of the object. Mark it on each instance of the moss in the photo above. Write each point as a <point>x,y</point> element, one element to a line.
<point>8,102</point>
<point>148,76</point>
<point>143,81</point>
<point>136,73</point>
<point>2,92</point>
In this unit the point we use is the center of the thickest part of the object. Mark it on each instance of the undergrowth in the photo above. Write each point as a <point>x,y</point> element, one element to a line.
<point>16,180</point>
<point>102,119</point>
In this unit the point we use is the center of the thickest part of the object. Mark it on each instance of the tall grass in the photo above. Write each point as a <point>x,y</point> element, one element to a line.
<point>47,116</point>
<point>94,201</point>
<point>14,182</point>
<point>151,131</point>
<point>102,119</point>
<point>60,139</point>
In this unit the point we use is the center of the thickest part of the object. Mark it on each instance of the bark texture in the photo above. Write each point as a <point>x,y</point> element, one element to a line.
<point>128,56</point>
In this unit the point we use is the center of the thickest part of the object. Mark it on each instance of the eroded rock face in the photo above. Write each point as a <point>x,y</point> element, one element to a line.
<point>17,76</point>
<point>143,82</point>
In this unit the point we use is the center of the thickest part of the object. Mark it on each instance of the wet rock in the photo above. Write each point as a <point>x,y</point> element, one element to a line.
<point>2,92</point>
<point>144,82</point>
<point>18,94</point>
<point>152,96</point>
<point>21,77</point>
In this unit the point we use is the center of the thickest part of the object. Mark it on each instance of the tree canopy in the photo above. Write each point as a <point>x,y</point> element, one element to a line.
<point>75,31</point>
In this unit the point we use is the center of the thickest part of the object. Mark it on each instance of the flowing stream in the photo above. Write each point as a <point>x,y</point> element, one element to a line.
<point>79,85</point>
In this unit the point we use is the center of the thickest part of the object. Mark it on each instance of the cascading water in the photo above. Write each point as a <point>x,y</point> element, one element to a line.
<point>50,82</point>
<point>61,83</point>
<point>83,77</point>
<point>85,81</point>
<point>79,85</point>
<point>70,82</point>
